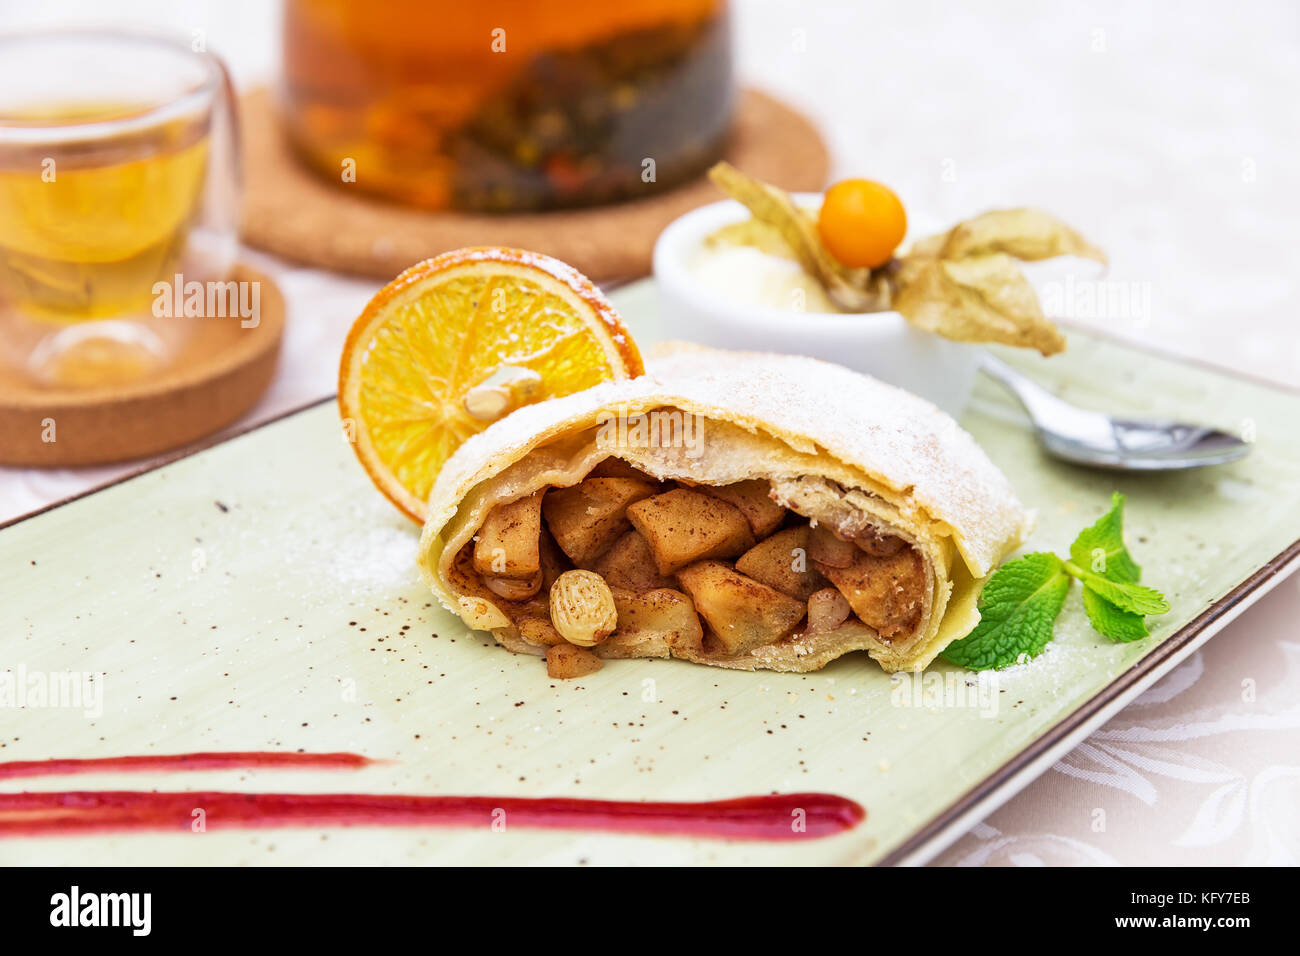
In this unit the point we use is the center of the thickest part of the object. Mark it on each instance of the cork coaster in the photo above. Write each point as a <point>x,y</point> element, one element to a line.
<point>291,211</point>
<point>222,370</point>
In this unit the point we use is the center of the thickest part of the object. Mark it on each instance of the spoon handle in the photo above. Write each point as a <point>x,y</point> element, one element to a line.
<point>1041,404</point>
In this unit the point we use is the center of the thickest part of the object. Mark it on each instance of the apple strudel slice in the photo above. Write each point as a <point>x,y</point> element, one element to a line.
<point>735,509</point>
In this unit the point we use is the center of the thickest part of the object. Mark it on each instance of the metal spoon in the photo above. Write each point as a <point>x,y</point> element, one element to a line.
<point>1091,438</point>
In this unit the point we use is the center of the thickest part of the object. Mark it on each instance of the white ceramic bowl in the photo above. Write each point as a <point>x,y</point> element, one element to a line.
<point>881,344</point>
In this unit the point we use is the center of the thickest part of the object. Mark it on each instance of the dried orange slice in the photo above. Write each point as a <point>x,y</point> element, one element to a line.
<point>459,340</point>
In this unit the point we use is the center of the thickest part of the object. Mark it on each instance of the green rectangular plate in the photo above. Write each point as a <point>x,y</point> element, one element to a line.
<point>261,595</point>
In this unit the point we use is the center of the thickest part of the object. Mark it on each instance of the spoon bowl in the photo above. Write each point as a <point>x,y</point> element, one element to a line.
<point>1096,440</point>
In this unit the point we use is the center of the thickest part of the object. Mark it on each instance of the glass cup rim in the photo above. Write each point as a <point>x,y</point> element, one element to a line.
<point>187,102</point>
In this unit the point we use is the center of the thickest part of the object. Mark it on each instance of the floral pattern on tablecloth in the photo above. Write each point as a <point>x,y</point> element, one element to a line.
<point>1202,768</point>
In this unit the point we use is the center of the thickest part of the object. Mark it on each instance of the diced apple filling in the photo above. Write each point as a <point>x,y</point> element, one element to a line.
<point>589,517</point>
<point>666,613</point>
<point>629,564</point>
<point>782,562</point>
<point>754,501</point>
<point>828,548</point>
<point>887,593</point>
<point>742,613</point>
<point>554,561</point>
<point>683,526</point>
<point>539,631</point>
<point>506,545</point>
<point>666,556</point>
<point>566,661</point>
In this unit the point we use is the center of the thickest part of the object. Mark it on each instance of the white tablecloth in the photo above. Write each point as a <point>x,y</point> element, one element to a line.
<point>1168,134</point>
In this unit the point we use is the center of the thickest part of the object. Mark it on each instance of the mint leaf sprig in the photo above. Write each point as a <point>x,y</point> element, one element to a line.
<point>1021,601</point>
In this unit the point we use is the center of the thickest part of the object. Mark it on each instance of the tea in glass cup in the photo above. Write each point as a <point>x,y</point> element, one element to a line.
<point>118,180</point>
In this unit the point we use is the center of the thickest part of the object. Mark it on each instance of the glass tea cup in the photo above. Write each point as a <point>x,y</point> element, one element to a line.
<point>118,182</point>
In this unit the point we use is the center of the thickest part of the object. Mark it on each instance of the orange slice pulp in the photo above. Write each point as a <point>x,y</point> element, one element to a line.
<point>460,340</point>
